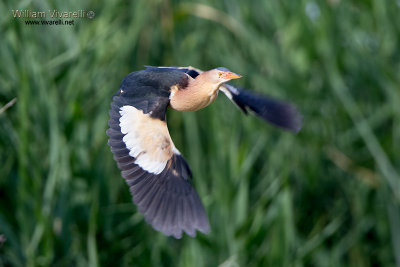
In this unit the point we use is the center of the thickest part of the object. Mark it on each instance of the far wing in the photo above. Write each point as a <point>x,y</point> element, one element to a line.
<point>278,113</point>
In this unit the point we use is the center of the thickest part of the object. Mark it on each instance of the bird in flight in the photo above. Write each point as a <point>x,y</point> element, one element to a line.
<point>157,174</point>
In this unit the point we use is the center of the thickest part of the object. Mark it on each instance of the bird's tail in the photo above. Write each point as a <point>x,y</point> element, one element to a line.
<point>278,113</point>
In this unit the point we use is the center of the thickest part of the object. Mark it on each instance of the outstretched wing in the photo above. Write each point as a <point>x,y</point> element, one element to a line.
<point>158,175</point>
<point>278,113</point>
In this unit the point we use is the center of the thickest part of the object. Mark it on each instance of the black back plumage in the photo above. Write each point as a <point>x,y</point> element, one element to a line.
<point>149,89</point>
<point>188,70</point>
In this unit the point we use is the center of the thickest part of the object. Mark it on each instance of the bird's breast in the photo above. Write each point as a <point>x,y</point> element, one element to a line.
<point>190,99</point>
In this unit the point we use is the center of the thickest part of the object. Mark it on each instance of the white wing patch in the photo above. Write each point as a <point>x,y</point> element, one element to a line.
<point>147,139</point>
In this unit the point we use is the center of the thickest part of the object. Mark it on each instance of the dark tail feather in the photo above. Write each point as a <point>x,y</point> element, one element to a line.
<point>279,113</point>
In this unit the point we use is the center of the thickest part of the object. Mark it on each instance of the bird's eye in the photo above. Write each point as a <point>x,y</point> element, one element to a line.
<point>219,74</point>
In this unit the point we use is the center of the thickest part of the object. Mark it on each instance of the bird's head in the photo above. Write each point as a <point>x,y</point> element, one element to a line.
<point>219,76</point>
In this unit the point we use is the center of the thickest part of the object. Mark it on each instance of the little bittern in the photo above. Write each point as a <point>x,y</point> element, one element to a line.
<point>156,172</point>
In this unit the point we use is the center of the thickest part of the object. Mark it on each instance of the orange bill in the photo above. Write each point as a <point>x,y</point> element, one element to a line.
<point>232,75</point>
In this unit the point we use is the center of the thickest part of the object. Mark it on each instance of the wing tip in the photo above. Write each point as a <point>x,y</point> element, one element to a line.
<point>291,118</point>
<point>170,204</point>
<point>279,113</point>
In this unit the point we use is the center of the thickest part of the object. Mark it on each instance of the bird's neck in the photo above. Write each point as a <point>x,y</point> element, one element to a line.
<point>197,95</point>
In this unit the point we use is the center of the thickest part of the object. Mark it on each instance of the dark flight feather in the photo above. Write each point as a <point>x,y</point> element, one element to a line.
<point>279,113</point>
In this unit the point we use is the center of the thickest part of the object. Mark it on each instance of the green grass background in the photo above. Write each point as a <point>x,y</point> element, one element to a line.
<point>328,196</point>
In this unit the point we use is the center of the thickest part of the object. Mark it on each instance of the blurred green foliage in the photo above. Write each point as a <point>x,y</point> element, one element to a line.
<point>328,196</point>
